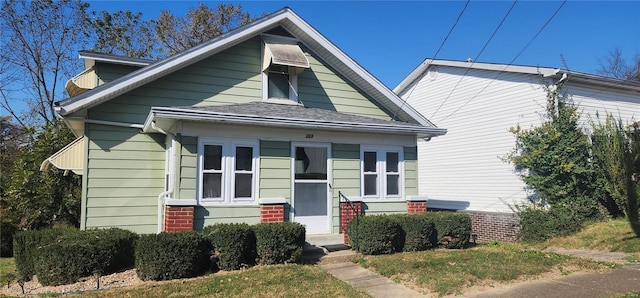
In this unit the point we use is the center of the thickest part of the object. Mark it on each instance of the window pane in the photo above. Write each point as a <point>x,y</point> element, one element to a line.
<point>310,199</point>
<point>311,163</point>
<point>212,157</point>
<point>244,158</point>
<point>392,162</point>
<point>370,162</point>
<point>392,184</point>
<point>370,185</point>
<point>243,185</point>
<point>211,185</point>
<point>278,81</point>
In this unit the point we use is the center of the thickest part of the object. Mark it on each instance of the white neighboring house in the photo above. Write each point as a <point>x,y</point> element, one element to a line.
<point>478,103</point>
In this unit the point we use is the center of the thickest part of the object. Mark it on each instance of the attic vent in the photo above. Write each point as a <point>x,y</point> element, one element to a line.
<point>283,51</point>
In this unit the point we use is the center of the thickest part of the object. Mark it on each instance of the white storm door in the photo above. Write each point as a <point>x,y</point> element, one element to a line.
<point>311,203</point>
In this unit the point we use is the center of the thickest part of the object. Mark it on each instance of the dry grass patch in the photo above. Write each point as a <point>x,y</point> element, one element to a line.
<point>452,271</point>
<point>613,235</point>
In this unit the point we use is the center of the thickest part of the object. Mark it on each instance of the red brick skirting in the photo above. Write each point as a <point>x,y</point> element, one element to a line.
<point>346,215</point>
<point>416,207</point>
<point>494,225</point>
<point>272,213</point>
<point>178,218</point>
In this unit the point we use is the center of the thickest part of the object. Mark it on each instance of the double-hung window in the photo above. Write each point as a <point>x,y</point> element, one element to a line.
<point>227,171</point>
<point>381,173</point>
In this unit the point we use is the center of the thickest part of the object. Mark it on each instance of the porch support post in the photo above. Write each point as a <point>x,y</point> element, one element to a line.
<point>347,213</point>
<point>272,209</point>
<point>416,204</point>
<point>179,215</point>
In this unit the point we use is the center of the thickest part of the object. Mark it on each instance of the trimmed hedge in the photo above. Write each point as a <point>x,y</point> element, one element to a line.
<point>453,228</point>
<point>234,245</point>
<point>374,235</point>
<point>537,225</point>
<point>173,255</point>
<point>7,229</point>
<point>62,256</point>
<point>417,234</point>
<point>278,243</point>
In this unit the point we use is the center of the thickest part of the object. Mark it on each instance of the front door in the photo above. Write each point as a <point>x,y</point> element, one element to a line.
<point>311,204</point>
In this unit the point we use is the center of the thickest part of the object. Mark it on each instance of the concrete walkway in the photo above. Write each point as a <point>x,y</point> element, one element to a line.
<point>374,284</point>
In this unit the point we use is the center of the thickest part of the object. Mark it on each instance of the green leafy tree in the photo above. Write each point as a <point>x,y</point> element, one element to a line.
<point>122,33</point>
<point>553,158</point>
<point>616,155</point>
<point>36,198</point>
<point>201,24</point>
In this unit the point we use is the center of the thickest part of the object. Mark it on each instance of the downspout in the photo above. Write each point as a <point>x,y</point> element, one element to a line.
<point>162,195</point>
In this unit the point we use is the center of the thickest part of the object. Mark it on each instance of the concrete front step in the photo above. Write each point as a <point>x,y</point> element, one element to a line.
<point>319,255</point>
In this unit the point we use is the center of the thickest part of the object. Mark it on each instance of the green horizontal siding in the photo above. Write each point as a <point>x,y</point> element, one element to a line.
<point>108,72</point>
<point>188,168</point>
<point>275,170</point>
<point>411,171</point>
<point>232,76</point>
<point>125,175</point>
<point>385,207</point>
<point>346,177</point>
<point>321,87</point>
<point>210,215</point>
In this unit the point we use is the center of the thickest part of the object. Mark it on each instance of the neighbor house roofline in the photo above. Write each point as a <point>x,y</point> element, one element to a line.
<point>286,18</point>
<point>91,57</point>
<point>417,73</point>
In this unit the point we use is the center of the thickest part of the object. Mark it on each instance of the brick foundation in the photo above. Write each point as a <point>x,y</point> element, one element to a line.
<point>416,207</point>
<point>494,226</point>
<point>272,213</point>
<point>346,215</point>
<point>178,218</point>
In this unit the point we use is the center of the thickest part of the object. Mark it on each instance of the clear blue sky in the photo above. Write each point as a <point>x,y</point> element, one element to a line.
<point>391,38</point>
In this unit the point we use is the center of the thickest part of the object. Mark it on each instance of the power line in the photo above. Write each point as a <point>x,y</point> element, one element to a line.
<point>434,56</point>
<point>476,58</point>
<point>510,62</point>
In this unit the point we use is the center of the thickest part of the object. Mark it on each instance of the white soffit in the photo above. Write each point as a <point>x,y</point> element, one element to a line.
<point>69,158</point>
<point>283,52</point>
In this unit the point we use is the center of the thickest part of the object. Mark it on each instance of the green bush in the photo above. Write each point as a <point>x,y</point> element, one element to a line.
<point>173,255</point>
<point>537,224</point>
<point>25,245</point>
<point>453,228</point>
<point>7,229</point>
<point>234,245</point>
<point>418,232</point>
<point>278,243</point>
<point>374,235</point>
<point>74,254</point>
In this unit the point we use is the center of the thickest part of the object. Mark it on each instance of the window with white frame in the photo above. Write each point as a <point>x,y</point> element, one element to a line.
<point>227,171</point>
<point>381,173</point>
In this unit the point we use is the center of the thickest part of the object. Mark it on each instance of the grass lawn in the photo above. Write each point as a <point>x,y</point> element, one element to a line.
<point>450,271</point>
<point>613,235</point>
<point>261,281</point>
<point>6,267</point>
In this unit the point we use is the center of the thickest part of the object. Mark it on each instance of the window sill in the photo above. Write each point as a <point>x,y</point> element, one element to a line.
<point>282,101</point>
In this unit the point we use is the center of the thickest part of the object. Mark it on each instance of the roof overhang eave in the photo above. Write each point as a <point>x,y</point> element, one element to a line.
<point>208,116</point>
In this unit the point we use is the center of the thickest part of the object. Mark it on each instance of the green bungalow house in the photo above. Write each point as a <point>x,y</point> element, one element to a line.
<point>268,122</point>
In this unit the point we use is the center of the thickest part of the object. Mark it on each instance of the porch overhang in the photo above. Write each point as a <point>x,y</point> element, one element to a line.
<point>287,116</point>
<point>69,158</point>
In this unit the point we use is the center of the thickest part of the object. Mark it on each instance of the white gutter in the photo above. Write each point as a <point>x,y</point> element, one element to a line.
<point>110,123</point>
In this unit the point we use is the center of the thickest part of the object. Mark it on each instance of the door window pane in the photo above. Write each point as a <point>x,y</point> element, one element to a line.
<point>212,157</point>
<point>244,158</point>
<point>311,163</point>
<point>243,185</point>
<point>211,185</point>
<point>310,199</point>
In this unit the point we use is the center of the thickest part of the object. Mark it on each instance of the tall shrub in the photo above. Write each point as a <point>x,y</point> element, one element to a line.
<point>233,244</point>
<point>616,155</point>
<point>278,243</point>
<point>376,234</point>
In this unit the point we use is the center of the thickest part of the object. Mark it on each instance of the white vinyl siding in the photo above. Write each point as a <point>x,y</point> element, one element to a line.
<point>464,169</point>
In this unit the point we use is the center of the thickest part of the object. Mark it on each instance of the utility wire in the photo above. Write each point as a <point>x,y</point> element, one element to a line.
<point>476,58</point>
<point>434,57</point>
<point>510,62</point>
